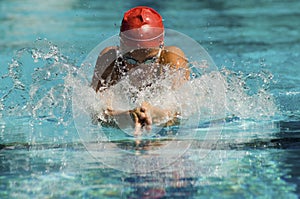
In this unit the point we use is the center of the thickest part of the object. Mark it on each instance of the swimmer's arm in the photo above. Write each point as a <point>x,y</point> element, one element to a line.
<point>133,117</point>
<point>113,118</point>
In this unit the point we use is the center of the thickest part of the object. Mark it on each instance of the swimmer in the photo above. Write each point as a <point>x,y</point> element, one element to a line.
<point>141,44</point>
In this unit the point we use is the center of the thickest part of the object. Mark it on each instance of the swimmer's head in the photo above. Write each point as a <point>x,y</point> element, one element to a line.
<point>141,27</point>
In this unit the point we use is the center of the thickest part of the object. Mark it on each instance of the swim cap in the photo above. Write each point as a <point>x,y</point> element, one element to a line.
<point>142,27</point>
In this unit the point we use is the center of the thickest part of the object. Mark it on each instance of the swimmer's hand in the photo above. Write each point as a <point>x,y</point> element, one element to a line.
<point>138,117</point>
<point>145,116</point>
<point>142,118</point>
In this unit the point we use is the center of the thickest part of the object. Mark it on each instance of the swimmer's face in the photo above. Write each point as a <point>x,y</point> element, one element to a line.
<point>140,56</point>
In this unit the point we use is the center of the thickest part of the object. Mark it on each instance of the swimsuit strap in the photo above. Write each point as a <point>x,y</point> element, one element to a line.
<point>161,47</point>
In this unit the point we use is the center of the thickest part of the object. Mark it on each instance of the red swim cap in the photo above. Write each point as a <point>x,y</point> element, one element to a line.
<point>142,27</point>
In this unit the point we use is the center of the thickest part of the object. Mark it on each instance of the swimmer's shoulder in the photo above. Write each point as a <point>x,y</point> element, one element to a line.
<point>173,51</point>
<point>176,59</point>
<point>106,57</point>
<point>110,50</point>
<point>173,55</point>
<point>104,66</point>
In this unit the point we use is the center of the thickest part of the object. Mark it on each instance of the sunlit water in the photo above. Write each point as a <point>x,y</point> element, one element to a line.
<point>254,153</point>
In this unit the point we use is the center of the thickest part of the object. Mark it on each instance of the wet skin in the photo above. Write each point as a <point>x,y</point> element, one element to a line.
<point>145,115</point>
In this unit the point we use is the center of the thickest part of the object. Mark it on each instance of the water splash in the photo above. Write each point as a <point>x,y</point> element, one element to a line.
<point>40,80</point>
<point>36,83</point>
<point>248,95</point>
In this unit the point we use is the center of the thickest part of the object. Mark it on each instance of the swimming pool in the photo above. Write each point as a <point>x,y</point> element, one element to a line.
<point>254,44</point>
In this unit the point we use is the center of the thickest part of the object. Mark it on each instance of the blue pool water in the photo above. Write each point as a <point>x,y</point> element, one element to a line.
<point>255,45</point>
